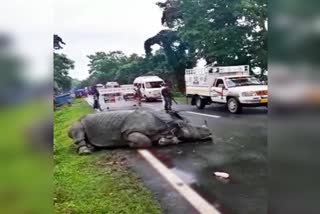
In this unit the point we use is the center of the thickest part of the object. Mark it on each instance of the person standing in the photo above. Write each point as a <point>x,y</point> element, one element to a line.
<point>96,96</point>
<point>167,97</point>
<point>95,91</point>
<point>138,94</point>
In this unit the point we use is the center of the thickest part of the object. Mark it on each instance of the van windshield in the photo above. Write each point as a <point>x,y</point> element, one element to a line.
<point>153,84</point>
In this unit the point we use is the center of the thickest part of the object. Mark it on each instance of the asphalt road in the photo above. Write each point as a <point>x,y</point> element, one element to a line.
<point>239,149</point>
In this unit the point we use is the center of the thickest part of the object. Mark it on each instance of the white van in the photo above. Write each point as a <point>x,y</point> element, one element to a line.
<point>150,86</point>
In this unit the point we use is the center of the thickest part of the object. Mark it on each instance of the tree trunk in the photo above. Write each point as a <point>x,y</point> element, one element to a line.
<point>181,81</point>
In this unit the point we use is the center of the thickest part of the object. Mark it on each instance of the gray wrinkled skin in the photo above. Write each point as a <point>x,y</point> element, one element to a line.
<point>138,129</point>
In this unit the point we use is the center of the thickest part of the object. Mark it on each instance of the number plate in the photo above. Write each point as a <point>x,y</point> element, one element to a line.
<point>264,100</point>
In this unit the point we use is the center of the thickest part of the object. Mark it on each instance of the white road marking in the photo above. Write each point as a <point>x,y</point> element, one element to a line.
<point>206,115</point>
<point>199,203</point>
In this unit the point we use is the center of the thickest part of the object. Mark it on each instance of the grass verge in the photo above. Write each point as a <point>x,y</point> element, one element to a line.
<point>26,173</point>
<point>100,183</point>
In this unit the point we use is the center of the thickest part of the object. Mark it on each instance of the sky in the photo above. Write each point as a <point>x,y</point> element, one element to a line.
<point>104,25</point>
<point>87,26</point>
<point>29,26</point>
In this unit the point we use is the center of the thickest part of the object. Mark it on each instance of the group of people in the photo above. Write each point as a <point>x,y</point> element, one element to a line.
<point>165,94</point>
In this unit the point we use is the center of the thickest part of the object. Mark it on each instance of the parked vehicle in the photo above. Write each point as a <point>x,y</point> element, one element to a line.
<point>123,95</point>
<point>230,85</point>
<point>112,85</point>
<point>150,87</point>
<point>99,86</point>
<point>62,99</point>
<point>79,93</point>
<point>128,92</point>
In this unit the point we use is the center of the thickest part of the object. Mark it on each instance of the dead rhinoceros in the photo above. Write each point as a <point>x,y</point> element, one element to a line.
<point>137,129</point>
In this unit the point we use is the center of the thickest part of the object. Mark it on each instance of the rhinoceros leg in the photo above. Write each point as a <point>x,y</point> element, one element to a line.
<point>77,133</point>
<point>138,140</point>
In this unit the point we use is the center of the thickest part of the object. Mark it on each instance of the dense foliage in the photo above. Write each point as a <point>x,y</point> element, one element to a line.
<point>223,32</point>
<point>62,65</point>
<point>116,66</point>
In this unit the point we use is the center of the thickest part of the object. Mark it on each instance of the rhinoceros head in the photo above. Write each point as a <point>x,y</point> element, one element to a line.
<point>188,132</point>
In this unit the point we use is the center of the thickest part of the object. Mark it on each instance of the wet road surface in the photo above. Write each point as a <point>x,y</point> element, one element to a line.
<point>239,148</point>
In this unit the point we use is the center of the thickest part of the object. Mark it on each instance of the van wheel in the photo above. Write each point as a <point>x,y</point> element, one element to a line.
<point>234,106</point>
<point>200,103</point>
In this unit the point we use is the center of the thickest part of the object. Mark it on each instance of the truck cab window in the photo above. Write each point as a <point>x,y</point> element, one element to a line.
<point>219,83</point>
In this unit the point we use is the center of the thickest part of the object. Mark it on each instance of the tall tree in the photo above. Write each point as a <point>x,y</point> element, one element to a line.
<point>105,65</point>
<point>224,32</point>
<point>178,55</point>
<point>62,66</point>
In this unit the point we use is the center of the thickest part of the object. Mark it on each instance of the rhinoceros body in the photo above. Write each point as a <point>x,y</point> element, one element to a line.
<point>140,128</point>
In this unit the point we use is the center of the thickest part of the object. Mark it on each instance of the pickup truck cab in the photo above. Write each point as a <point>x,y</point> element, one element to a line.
<point>232,86</point>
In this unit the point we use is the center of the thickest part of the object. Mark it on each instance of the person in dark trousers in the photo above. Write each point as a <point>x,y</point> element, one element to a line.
<point>167,97</point>
<point>96,95</point>
<point>95,91</point>
<point>138,94</point>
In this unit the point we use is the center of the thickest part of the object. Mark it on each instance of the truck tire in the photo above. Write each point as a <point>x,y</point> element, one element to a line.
<point>200,103</point>
<point>234,106</point>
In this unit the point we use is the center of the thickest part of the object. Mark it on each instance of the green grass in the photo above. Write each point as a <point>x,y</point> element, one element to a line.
<point>26,173</point>
<point>99,183</point>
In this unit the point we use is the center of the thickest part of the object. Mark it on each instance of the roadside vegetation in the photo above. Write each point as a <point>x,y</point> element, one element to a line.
<point>224,33</point>
<point>25,169</point>
<point>99,183</point>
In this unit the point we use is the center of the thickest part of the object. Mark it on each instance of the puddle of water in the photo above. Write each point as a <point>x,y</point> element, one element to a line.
<point>188,178</point>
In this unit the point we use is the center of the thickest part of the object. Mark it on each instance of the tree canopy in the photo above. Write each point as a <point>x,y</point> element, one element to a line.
<point>116,66</point>
<point>223,32</point>
<point>62,65</point>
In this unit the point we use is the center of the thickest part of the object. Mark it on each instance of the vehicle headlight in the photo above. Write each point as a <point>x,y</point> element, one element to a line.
<point>249,94</point>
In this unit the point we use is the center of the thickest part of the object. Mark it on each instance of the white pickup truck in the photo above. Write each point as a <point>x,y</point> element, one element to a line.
<point>230,85</point>
<point>118,96</point>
